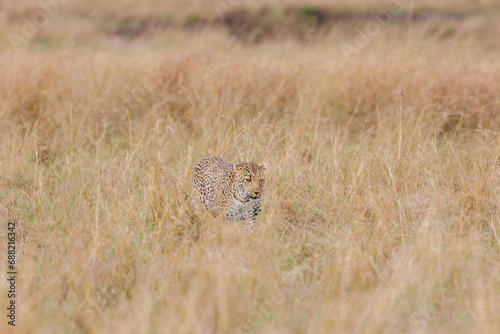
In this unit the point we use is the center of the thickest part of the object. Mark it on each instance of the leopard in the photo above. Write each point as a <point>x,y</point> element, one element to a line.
<point>232,191</point>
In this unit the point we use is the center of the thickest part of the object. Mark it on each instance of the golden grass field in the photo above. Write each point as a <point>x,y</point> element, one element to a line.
<point>382,202</point>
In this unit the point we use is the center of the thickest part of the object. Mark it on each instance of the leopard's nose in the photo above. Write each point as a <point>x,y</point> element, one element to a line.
<point>257,193</point>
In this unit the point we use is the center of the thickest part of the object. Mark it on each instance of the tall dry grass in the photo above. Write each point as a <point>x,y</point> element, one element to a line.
<point>381,208</point>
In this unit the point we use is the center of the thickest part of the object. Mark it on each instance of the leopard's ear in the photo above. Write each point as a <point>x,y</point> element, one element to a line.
<point>264,167</point>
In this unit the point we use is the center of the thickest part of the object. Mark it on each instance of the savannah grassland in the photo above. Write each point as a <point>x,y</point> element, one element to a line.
<point>382,209</point>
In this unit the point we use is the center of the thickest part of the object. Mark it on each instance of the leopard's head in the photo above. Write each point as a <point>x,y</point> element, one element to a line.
<point>249,180</point>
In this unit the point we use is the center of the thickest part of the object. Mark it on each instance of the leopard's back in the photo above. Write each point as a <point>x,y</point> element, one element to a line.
<point>213,178</point>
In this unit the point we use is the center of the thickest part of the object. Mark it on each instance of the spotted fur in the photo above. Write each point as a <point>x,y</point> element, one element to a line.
<point>231,190</point>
